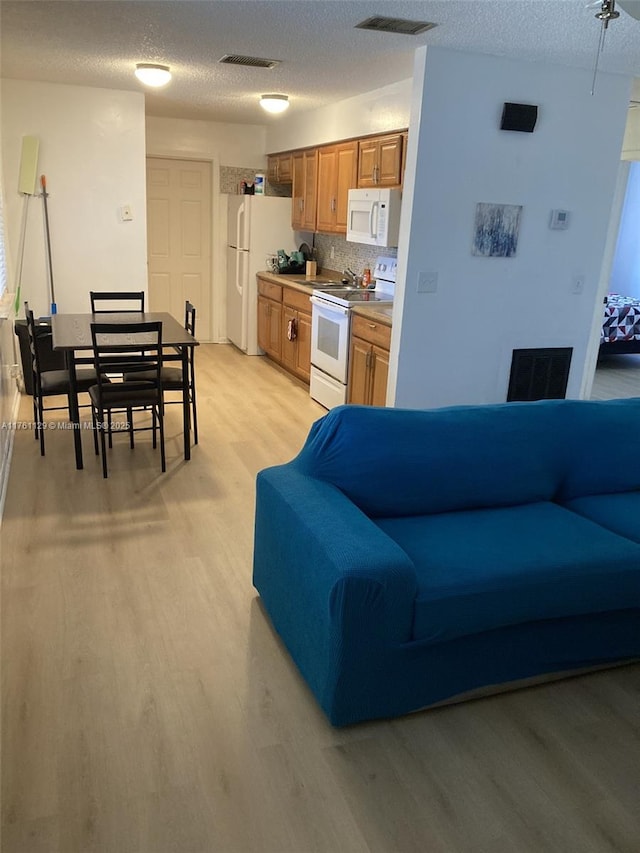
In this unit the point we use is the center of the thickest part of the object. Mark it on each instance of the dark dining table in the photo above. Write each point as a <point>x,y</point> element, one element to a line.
<point>71,334</point>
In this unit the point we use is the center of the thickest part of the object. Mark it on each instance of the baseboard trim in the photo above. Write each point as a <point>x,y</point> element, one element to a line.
<point>5,463</point>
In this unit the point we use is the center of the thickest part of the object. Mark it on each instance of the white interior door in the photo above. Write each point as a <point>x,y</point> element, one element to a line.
<point>179,238</point>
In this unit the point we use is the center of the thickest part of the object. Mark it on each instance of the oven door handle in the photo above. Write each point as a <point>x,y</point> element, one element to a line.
<point>329,306</point>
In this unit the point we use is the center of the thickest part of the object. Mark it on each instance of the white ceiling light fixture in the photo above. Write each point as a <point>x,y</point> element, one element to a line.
<point>274,103</point>
<point>152,74</point>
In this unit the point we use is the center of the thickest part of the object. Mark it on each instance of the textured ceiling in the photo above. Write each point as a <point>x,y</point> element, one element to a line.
<point>324,59</point>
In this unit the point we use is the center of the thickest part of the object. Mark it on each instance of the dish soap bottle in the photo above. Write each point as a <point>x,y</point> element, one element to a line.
<point>366,277</point>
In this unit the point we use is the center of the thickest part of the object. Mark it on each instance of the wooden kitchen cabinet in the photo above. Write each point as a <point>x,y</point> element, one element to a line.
<point>368,362</point>
<point>278,307</point>
<point>305,175</point>
<point>337,174</point>
<point>380,160</point>
<point>279,169</point>
<point>270,318</point>
<point>296,333</point>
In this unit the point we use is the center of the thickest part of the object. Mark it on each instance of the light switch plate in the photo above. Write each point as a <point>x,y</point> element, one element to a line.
<point>427,282</point>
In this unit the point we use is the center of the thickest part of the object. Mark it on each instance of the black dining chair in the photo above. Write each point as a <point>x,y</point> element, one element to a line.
<point>115,302</point>
<point>173,378</point>
<point>133,351</point>
<point>50,383</point>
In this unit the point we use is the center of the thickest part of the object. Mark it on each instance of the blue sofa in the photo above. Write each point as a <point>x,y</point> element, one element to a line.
<point>408,557</point>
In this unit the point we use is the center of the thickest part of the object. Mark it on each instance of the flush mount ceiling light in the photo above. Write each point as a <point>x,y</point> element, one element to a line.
<point>152,74</point>
<point>274,103</point>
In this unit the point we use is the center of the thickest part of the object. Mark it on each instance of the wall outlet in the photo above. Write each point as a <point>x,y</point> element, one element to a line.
<point>125,213</point>
<point>332,253</point>
<point>577,284</point>
<point>15,371</point>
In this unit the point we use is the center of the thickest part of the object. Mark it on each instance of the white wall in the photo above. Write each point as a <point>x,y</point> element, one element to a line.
<point>223,145</point>
<point>92,150</point>
<point>625,275</point>
<point>374,112</point>
<point>631,142</point>
<point>227,144</point>
<point>455,345</point>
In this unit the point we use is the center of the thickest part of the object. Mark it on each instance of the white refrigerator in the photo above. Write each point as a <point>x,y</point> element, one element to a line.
<point>257,226</point>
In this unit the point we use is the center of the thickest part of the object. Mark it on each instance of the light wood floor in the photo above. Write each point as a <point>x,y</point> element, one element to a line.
<point>148,707</point>
<point>616,376</point>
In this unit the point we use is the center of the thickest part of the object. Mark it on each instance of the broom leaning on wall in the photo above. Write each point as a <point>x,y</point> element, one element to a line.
<point>47,236</point>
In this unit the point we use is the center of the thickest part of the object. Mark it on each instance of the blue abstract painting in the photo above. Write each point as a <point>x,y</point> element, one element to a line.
<point>496,230</point>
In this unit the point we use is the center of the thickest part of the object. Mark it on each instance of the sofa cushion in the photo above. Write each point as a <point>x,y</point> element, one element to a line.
<point>619,513</point>
<point>395,462</point>
<point>489,568</point>
<point>602,446</point>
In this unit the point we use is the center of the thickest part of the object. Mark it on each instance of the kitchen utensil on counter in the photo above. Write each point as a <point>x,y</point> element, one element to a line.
<point>310,253</point>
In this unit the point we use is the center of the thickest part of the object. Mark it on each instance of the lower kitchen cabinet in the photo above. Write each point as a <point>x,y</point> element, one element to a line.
<point>368,362</point>
<point>289,344</point>
<point>270,318</point>
<point>296,342</point>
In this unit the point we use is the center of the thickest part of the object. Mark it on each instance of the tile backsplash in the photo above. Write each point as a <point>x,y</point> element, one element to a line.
<point>356,256</point>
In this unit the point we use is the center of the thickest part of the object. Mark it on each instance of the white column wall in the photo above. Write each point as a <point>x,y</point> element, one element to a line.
<point>455,345</point>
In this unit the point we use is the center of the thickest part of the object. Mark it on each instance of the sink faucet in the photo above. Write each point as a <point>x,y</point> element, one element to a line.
<point>350,274</point>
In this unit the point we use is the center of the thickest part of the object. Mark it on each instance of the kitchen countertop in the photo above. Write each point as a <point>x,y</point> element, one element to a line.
<point>301,282</point>
<point>382,313</point>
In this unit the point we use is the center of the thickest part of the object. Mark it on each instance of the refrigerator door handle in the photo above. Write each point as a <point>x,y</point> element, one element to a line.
<point>240,259</point>
<point>240,235</point>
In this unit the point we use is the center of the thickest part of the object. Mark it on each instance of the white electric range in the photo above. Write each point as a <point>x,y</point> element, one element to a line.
<point>330,327</point>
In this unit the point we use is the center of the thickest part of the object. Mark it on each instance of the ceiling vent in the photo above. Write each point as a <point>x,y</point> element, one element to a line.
<point>248,61</point>
<point>395,25</point>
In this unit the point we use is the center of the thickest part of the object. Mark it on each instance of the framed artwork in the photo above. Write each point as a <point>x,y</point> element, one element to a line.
<point>496,230</point>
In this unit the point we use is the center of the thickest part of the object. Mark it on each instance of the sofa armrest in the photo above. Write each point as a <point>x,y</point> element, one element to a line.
<point>335,586</point>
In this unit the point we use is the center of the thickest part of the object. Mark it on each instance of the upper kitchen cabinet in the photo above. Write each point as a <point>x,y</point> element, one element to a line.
<point>304,194</point>
<point>279,169</point>
<point>380,160</point>
<point>337,174</point>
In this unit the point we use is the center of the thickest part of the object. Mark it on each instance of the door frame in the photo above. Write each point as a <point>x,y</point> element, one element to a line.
<point>615,219</point>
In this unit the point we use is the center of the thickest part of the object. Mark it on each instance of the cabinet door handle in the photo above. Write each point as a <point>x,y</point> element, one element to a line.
<point>292,329</point>
<point>372,326</point>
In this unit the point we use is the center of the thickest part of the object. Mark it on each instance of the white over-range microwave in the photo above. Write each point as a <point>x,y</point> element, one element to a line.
<point>373,217</point>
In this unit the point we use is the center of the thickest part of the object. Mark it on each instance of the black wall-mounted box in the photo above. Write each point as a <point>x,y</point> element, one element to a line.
<point>520,117</point>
